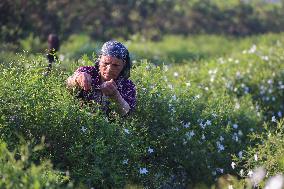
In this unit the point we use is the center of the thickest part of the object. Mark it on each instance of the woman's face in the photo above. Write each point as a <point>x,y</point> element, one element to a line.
<point>110,67</point>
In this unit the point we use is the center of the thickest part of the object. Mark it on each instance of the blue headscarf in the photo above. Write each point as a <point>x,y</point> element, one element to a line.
<point>118,50</point>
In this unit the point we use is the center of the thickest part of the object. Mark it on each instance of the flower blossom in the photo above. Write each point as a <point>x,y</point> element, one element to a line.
<point>83,129</point>
<point>150,150</point>
<point>143,171</point>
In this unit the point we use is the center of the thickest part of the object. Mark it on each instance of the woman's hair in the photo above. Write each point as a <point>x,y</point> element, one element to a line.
<point>118,50</point>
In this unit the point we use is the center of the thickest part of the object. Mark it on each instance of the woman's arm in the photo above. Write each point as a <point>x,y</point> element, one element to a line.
<point>122,106</point>
<point>109,88</point>
<point>71,81</point>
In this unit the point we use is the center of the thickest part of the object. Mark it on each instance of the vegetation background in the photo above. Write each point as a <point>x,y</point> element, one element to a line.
<point>105,19</point>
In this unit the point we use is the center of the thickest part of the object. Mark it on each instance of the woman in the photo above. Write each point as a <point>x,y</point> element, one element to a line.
<point>53,47</point>
<point>107,82</point>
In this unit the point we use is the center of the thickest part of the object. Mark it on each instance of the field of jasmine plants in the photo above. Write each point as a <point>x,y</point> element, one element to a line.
<point>209,115</point>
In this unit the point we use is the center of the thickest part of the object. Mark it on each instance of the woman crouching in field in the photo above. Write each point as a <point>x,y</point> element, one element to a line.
<point>107,82</point>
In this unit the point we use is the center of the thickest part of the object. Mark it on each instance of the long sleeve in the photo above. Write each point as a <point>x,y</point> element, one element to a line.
<point>128,93</point>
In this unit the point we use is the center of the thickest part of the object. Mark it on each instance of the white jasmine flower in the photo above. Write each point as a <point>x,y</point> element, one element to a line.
<point>221,138</point>
<point>170,86</point>
<point>188,84</point>
<point>220,170</point>
<point>190,134</point>
<point>235,126</point>
<point>273,98</point>
<point>221,60</point>
<point>166,67</point>
<point>124,162</point>
<point>255,157</point>
<point>230,187</point>
<point>203,137</point>
<point>252,49</point>
<point>176,74</point>
<point>233,164</point>
<point>214,115</point>
<point>240,154</point>
<point>220,146</point>
<point>184,142</point>
<point>186,125</point>
<point>197,96</point>
<point>235,137</point>
<point>250,173</point>
<point>61,57</point>
<point>83,129</point>
<point>208,122</point>
<point>273,119</point>
<point>270,81</point>
<point>150,150</point>
<point>203,126</point>
<point>143,171</point>
<point>165,78</point>
<point>242,172</point>
<point>237,106</point>
<point>126,131</point>
<point>265,58</point>
<point>238,74</point>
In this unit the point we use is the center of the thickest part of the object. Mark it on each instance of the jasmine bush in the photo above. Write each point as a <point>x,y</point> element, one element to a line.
<point>257,71</point>
<point>269,152</point>
<point>189,121</point>
<point>172,134</point>
<point>17,170</point>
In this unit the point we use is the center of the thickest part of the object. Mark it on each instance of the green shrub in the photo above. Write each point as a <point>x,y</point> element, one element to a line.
<point>17,170</point>
<point>189,120</point>
<point>192,135</point>
<point>179,125</point>
<point>257,71</point>
<point>268,153</point>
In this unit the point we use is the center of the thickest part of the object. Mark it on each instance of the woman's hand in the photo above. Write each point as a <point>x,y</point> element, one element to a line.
<point>81,79</point>
<point>84,80</point>
<point>109,88</point>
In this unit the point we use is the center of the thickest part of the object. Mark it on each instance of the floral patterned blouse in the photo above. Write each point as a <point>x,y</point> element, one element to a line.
<point>125,87</point>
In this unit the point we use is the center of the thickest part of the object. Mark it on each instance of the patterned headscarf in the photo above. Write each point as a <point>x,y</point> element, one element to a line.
<point>118,50</point>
